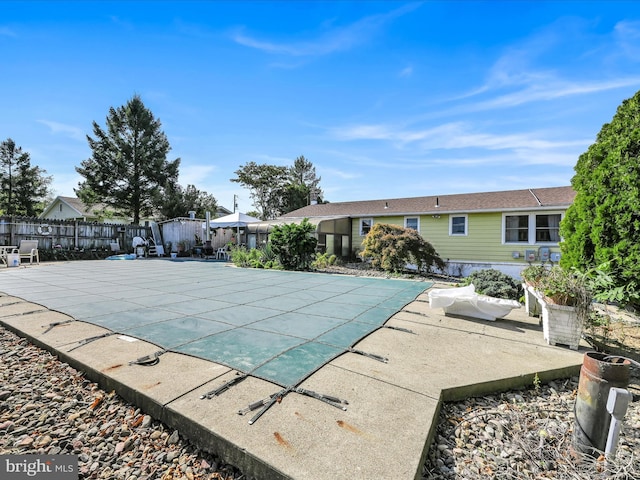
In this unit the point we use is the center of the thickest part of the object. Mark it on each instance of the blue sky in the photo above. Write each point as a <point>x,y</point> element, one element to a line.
<point>387,99</point>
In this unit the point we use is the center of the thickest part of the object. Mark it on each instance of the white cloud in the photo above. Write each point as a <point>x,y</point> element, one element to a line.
<point>334,39</point>
<point>516,77</point>
<point>554,91</point>
<point>195,174</point>
<point>67,130</point>
<point>627,35</point>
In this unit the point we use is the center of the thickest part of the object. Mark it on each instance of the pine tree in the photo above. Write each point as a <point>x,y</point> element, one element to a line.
<point>128,170</point>
<point>23,188</point>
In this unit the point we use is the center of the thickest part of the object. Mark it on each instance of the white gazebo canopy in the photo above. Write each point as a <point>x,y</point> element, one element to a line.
<point>233,220</point>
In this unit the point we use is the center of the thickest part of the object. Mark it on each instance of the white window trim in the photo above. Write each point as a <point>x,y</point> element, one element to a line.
<point>360,225</point>
<point>412,216</point>
<point>531,228</point>
<point>466,225</point>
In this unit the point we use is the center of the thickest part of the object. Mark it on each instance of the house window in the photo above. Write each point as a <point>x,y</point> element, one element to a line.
<point>458,225</point>
<point>548,228</point>
<point>412,222</point>
<point>365,225</point>
<point>532,228</point>
<point>516,229</point>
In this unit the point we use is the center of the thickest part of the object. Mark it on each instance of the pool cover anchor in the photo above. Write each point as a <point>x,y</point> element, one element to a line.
<point>379,358</point>
<point>149,360</point>
<point>223,388</point>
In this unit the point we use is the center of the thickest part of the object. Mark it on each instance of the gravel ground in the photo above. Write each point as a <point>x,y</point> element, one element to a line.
<point>526,435</point>
<point>47,407</point>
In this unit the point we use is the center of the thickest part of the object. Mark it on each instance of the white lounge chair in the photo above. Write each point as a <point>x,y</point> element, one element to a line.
<point>29,249</point>
<point>465,301</point>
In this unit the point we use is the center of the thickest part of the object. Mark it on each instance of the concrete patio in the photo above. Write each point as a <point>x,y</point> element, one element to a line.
<point>384,430</point>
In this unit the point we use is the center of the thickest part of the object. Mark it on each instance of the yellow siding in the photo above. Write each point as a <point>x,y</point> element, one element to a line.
<point>355,229</point>
<point>483,241</point>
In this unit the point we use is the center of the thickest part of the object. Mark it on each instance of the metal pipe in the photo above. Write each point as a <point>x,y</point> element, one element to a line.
<point>597,376</point>
<point>207,227</point>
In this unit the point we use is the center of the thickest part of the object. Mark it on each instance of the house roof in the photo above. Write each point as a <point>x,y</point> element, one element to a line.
<point>77,205</point>
<point>509,200</point>
<point>80,207</point>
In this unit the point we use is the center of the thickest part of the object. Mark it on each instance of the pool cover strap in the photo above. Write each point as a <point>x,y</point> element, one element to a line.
<point>224,387</point>
<point>91,339</point>
<point>55,324</point>
<point>400,329</point>
<point>333,401</point>
<point>370,355</point>
<point>267,403</point>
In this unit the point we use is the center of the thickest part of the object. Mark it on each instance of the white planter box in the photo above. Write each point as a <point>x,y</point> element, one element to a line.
<point>560,325</point>
<point>531,301</point>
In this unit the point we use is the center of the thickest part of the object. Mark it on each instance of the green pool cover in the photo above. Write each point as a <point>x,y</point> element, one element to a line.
<point>275,325</point>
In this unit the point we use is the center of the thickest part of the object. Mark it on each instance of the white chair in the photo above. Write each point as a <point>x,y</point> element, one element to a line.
<point>222,252</point>
<point>29,249</point>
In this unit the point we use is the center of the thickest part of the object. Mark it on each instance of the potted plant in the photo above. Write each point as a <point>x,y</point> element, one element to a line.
<point>182,248</point>
<point>533,273</point>
<point>565,305</point>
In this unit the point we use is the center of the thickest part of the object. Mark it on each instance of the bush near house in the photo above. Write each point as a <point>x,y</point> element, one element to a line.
<point>294,244</point>
<point>391,248</point>
<point>494,283</point>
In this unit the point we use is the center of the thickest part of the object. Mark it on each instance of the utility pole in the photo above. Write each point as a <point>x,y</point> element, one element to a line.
<point>235,203</point>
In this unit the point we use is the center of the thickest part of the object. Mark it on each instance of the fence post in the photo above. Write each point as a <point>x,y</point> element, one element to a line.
<point>12,234</point>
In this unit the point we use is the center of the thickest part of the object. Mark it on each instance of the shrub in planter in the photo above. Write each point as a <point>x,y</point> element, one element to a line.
<point>567,288</point>
<point>532,274</point>
<point>494,283</point>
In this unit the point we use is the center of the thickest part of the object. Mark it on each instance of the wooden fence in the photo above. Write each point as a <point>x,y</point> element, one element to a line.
<point>191,232</point>
<point>69,235</point>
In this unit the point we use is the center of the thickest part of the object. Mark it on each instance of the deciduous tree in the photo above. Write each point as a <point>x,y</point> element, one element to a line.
<point>276,190</point>
<point>267,187</point>
<point>180,201</point>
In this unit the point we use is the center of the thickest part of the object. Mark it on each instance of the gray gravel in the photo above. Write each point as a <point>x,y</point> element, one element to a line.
<point>47,407</point>
<point>526,434</point>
